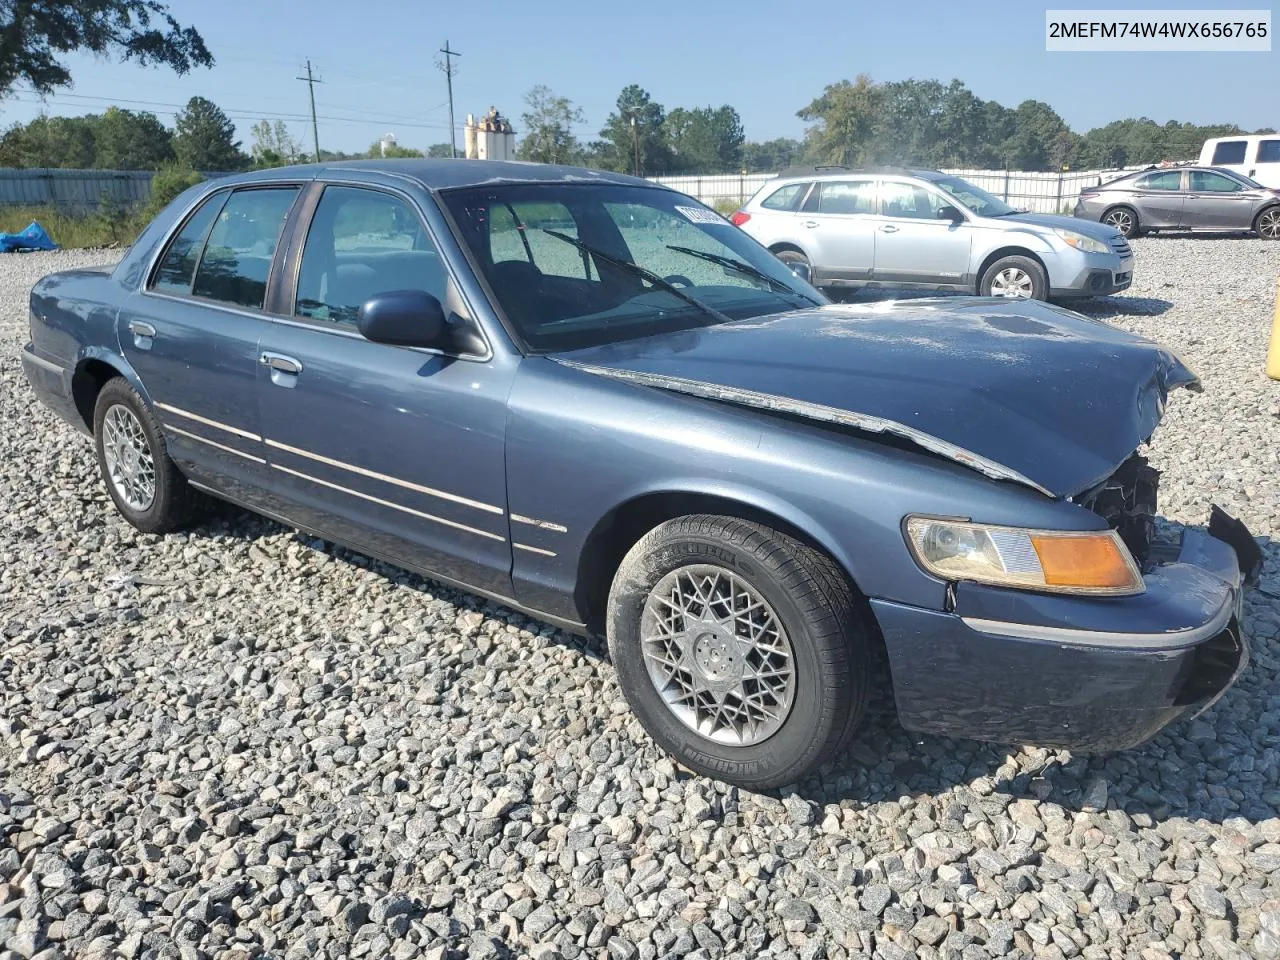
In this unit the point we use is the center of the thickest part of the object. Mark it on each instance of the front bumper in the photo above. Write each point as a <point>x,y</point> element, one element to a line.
<point>1091,275</point>
<point>1089,674</point>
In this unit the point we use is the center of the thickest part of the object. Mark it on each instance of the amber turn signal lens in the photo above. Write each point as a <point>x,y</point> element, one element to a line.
<point>1083,561</point>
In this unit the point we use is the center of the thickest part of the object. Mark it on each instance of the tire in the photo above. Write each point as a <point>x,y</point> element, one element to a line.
<point>1267,224</point>
<point>1015,274</point>
<point>122,422</point>
<point>794,256</point>
<point>1124,219</point>
<point>798,594</point>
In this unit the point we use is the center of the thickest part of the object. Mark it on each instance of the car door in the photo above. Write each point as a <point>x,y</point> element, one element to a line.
<point>1159,198</point>
<point>837,230</point>
<point>398,450</point>
<point>191,334</point>
<point>914,246</point>
<point>1217,202</point>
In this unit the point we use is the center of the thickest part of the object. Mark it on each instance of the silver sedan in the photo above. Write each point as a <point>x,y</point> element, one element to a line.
<point>1183,198</point>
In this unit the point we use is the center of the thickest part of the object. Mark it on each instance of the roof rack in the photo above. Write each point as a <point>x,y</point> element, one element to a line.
<point>824,168</point>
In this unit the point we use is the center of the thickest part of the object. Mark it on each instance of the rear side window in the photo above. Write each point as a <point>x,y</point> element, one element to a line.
<point>1229,151</point>
<point>1169,180</point>
<point>847,196</point>
<point>178,265</point>
<point>1269,151</point>
<point>237,256</point>
<point>785,198</point>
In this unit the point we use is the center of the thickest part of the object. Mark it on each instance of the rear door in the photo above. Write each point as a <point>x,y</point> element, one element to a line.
<point>192,335</point>
<point>838,228</point>
<point>1217,202</point>
<point>396,449</point>
<point>912,244</point>
<point>1159,198</point>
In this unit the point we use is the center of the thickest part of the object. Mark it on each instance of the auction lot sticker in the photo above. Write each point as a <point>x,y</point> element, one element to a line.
<point>1140,31</point>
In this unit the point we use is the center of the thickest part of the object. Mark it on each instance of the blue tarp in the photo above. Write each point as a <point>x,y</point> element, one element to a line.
<point>35,237</point>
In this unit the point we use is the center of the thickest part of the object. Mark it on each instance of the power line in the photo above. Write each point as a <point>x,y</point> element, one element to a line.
<point>311,89</point>
<point>448,79</point>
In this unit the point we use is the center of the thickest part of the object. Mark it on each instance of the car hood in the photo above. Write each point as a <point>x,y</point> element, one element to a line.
<point>1020,390</point>
<point>1090,228</point>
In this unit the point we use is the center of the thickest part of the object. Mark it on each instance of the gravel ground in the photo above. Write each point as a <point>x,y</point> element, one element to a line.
<point>238,742</point>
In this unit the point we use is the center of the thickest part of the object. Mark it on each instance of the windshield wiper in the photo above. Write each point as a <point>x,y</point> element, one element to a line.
<point>737,265</point>
<point>642,273</point>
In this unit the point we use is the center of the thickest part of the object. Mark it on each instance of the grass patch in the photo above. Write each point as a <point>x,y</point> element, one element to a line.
<point>91,229</point>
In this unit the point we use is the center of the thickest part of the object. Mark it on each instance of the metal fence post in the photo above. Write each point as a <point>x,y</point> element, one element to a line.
<point>1005,198</point>
<point>741,190</point>
<point>1058,207</point>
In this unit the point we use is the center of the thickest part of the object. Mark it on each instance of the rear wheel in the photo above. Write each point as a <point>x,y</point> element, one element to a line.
<point>1124,219</point>
<point>144,484</point>
<point>742,651</point>
<point>1018,278</point>
<point>790,257</point>
<point>1267,224</point>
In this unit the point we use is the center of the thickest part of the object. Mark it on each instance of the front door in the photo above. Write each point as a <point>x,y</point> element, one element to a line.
<point>1215,202</point>
<point>192,336</point>
<point>837,227</point>
<point>394,449</point>
<point>912,244</point>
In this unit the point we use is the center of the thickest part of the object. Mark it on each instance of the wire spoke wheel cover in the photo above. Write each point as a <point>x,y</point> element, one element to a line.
<point>1013,282</point>
<point>130,466</point>
<point>718,655</point>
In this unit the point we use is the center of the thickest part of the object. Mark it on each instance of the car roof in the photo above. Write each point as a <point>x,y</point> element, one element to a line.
<point>442,174</point>
<point>836,172</point>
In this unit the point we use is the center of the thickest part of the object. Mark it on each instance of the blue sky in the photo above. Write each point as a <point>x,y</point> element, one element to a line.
<point>767,59</point>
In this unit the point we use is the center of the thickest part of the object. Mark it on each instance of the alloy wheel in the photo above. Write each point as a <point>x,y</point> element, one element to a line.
<point>1013,282</point>
<point>128,456</point>
<point>1121,220</point>
<point>718,655</point>
<point>1269,224</point>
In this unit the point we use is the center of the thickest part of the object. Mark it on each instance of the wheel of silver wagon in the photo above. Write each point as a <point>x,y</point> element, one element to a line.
<point>1017,278</point>
<point>741,650</point>
<point>144,484</point>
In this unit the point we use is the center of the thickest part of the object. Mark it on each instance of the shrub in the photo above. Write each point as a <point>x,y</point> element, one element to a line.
<point>168,182</point>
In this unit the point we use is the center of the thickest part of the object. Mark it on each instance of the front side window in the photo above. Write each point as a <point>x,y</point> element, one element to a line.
<point>655,262</point>
<point>1269,151</point>
<point>1169,180</point>
<point>177,267</point>
<point>1229,151</point>
<point>1202,181</point>
<point>237,257</point>
<point>362,243</point>
<point>973,198</point>
<point>909,201</point>
<point>847,196</point>
<point>785,198</point>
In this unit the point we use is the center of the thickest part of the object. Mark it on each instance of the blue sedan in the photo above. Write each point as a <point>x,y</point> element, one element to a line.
<point>594,400</point>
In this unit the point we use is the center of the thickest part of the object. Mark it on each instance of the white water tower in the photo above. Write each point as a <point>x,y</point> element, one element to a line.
<point>387,142</point>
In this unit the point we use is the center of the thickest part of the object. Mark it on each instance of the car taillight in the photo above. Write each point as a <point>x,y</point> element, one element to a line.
<point>739,218</point>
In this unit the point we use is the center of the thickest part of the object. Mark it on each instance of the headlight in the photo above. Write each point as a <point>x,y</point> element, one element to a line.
<point>1095,562</point>
<point>1081,242</point>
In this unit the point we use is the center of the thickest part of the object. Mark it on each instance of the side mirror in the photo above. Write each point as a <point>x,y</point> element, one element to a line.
<point>404,318</point>
<point>802,271</point>
<point>948,212</point>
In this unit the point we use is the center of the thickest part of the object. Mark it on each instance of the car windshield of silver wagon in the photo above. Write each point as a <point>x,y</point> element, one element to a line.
<point>975,198</point>
<point>575,265</point>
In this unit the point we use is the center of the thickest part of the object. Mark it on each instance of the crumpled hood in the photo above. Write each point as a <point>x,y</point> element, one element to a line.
<point>1090,228</point>
<point>1056,398</point>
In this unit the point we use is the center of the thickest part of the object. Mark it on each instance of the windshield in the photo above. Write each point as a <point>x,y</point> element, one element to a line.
<point>575,265</point>
<point>975,198</point>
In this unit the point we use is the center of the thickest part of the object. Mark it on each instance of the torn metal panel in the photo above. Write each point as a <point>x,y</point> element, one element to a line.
<point>818,412</point>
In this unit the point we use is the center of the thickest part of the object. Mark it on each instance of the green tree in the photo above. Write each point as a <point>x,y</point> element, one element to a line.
<point>125,140</point>
<point>771,156</point>
<point>395,151</point>
<point>1041,139</point>
<point>50,142</point>
<point>548,128</point>
<point>204,138</point>
<point>440,151</point>
<point>705,139</point>
<point>273,145</point>
<point>843,121</point>
<point>169,181</point>
<point>634,130</point>
<point>33,33</point>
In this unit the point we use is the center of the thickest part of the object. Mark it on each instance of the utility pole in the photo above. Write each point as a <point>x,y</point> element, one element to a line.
<point>635,141</point>
<point>447,67</point>
<point>311,87</point>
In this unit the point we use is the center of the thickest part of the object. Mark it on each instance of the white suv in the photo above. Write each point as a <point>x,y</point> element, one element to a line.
<point>926,230</point>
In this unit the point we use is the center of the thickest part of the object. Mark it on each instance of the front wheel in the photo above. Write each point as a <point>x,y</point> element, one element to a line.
<point>1268,224</point>
<point>741,650</point>
<point>1018,278</point>
<point>145,485</point>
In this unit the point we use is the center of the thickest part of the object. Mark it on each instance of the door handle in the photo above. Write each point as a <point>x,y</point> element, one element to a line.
<point>278,362</point>
<point>811,224</point>
<point>143,333</point>
<point>889,228</point>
